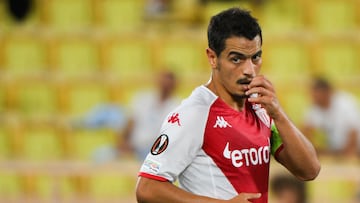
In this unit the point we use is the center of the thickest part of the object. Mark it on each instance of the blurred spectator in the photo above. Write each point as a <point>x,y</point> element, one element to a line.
<point>288,189</point>
<point>148,112</point>
<point>103,116</point>
<point>19,9</point>
<point>156,8</point>
<point>107,115</point>
<point>336,115</point>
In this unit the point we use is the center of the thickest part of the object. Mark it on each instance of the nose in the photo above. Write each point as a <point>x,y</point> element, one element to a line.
<point>249,68</point>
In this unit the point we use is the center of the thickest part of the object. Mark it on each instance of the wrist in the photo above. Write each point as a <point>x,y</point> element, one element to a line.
<point>278,115</point>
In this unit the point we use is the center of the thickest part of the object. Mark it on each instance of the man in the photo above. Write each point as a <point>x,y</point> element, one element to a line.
<point>217,142</point>
<point>148,111</point>
<point>335,114</point>
<point>287,189</point>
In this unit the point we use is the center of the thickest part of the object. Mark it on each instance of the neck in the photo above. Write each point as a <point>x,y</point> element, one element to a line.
<point>163,96</point>
<point>234,101</point>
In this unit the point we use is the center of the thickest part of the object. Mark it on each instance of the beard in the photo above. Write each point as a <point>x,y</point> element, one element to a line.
<point>239,97</point>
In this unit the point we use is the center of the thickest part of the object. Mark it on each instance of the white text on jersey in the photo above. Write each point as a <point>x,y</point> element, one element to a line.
<point>253,156</point>
<point>221,122</point>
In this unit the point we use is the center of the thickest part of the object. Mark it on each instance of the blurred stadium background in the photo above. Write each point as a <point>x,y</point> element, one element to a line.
<point>66,56</point>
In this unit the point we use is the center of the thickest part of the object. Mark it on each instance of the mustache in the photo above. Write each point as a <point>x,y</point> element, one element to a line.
<point>244,81</point>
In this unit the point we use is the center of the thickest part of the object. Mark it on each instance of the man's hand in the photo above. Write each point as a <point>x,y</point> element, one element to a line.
<point>245,197</point>
<point>298,154</point>
<point>266,95</point>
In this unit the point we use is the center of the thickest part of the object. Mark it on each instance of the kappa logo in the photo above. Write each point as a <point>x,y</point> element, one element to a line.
<point>174,118</point>
<point>221,122</point>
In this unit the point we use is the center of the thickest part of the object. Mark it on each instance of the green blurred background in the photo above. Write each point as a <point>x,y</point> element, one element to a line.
<point>67,56</point>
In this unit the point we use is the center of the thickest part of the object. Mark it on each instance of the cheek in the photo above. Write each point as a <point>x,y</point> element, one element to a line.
<point>258,67</point>
<point>230,78</point>
<point>226,73</point>
<point>229,71</point>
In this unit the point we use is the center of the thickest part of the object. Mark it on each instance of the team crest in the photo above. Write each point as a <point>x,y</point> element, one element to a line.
<point>160,145</point>
<point>263,116</point>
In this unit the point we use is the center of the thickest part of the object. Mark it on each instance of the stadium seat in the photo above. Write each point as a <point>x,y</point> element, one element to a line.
<point>5,143</point>
<point>41,143</point>
<point>282,17</point>
<point>111,186</point>
<point>119,16</point>
<point>286,59</point>
<point>10,184</point>
<point>293,99</point>
<point>183,54</point>
<point>68,15</point>
<point>3,16</point>
<point>24,55</point>
<point>36,98</point>
<point>82,96</point>
<point>334,16</point>
<point>186,11</point>
<point>2,98</point>
<point>46,187</point>
<point>127,56</point>
<point>338,62</point>
<point>333,190</point>
<point>76,56</point>
<point>92,144</point>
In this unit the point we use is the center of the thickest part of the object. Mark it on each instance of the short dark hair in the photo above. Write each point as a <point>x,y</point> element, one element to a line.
<point>321,83</point>
<point>231,22</point>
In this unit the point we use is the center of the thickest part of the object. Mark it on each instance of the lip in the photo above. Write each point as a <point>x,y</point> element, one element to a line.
<point>247,82</point>
<point>244,87</point>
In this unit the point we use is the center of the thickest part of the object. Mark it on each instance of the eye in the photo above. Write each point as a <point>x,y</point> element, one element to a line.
<point>256,57</point>
<point>235,59</point>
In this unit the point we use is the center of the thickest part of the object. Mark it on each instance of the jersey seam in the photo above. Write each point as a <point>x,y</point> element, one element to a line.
<point>212,179</point>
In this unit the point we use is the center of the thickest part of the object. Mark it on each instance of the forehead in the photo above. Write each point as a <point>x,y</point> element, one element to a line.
<point>242,45</point>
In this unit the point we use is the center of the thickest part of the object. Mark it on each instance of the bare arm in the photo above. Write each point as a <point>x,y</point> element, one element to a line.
<point>153,191</point>
<point>298,154</point>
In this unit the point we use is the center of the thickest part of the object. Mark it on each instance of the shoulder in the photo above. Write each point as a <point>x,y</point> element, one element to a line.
<point>200,98</point>
<point>344,101</point>
<point>194,109</point>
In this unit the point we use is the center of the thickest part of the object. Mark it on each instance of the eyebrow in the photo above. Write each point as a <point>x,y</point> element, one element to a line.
<point>243,55</point>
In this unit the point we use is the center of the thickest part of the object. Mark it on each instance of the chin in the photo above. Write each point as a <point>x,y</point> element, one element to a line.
<point>237,97</point>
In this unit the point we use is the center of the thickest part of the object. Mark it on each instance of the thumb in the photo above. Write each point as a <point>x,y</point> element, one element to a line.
<point>252,195</point>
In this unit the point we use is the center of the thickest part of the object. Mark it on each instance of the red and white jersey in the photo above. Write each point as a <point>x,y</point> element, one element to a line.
<point>212,149</point>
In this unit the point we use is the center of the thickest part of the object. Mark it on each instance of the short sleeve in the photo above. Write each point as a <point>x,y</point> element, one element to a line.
<point>179,141</point>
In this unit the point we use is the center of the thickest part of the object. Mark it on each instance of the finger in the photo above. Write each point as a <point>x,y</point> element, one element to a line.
<point>261,81</point>
<point>260,91</point>
<point>248,196</point>
<point>257,81</point>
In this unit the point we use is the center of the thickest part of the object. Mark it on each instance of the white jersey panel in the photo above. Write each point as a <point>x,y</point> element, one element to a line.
<point>215,185</point>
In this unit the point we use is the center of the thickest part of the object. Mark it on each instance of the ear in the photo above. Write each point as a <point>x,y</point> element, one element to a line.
<point>212,58</point>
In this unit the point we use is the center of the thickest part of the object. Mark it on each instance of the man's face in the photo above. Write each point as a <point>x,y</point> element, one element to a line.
<point>321,97</point>
<point>238,63</point>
